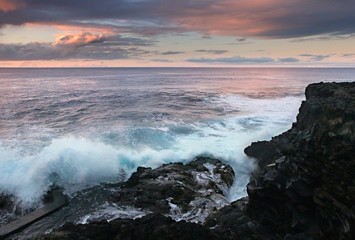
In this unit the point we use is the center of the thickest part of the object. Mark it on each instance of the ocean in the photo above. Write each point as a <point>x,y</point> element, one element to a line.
<point>77,128</point>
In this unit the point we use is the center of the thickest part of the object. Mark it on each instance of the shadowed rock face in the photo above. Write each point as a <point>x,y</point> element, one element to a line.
<point>308,188</point>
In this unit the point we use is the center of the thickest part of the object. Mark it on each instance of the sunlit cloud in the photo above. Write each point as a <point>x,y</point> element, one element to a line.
<point>80,39</point>
<point>81,45</point>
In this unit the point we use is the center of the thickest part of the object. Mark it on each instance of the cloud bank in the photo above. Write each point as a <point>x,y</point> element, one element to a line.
<point>261,18</point>
<point>83,45</point>
<point>120,28</point>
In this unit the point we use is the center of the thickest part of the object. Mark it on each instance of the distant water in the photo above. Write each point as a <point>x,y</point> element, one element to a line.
<point>77,128</point>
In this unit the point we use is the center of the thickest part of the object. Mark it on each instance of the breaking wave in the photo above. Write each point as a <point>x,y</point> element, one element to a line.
<point>76,162</point>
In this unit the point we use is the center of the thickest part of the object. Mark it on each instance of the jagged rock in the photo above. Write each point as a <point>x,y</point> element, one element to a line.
<point>190,191</point>
<point>308,193</point>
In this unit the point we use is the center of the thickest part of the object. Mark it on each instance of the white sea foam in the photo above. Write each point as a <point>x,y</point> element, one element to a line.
<point>74,163</point>
<point>110,211</point>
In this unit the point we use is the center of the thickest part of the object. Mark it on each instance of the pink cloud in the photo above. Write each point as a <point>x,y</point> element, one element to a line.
<point>268,18</point>
<point>10,5</point>
<point>82,38</point>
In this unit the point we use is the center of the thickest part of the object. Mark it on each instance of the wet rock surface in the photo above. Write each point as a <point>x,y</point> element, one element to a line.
<point>304,187</point>
<point>190,192</point>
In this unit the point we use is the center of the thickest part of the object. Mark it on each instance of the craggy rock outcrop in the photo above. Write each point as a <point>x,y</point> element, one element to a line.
<point>185,192</point>
<point>190,192</point>
<point>306,186</point>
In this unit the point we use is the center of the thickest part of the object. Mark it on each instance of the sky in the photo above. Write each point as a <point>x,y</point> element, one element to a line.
<point>177,33</point>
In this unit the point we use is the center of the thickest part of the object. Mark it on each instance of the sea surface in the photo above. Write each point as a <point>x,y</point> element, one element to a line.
<point>77,128</point>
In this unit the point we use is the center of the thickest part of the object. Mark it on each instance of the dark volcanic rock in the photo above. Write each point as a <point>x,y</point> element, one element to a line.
<point>305,188</point>
<point>232,222</point>
<point>7,206</point>
<point>189,192</point>
<point>151,227</point>
<point>10,209</point>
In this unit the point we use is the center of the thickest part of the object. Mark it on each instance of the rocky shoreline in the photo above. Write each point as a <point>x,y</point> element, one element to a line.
<point>304,187</point>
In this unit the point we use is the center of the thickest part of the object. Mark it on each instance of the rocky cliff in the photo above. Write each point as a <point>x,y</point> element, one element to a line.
<point>305,188</point>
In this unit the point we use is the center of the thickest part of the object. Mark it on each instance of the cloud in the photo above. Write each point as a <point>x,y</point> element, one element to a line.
<point>272,18</point>
<point>212,51</point>
<point>348,54</point>
<point>161,60</point>
<point>80,39</point>
<point>325,37</point>
<point>288,60</point>
<point>10,5</point>
<point>260,18</point>
<point>48,51</point>
<point>232,60</point>
<point>77,46</point>
<point>171,53</point>
<point>206,36</point>
<point>315,57</point>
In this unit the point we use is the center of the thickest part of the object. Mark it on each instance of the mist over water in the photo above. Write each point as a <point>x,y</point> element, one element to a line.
<point>76,128</point>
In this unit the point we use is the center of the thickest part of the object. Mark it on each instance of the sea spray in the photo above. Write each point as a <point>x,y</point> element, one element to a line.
<point>74,163</point>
